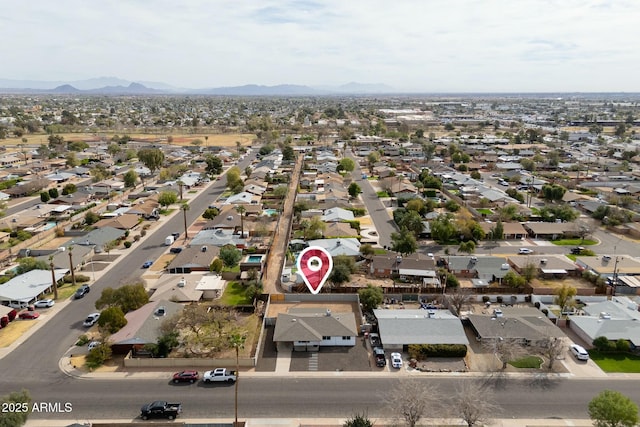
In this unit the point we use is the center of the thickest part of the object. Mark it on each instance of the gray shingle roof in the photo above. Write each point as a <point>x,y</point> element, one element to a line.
<point>312,326</point>
<point>403,327</point>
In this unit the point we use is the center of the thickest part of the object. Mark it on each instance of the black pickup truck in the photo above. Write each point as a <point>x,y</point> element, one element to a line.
<point>160,409</point>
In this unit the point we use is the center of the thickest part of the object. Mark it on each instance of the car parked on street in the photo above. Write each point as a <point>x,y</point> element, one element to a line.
<point>577,250</point>
<point>525,251</point>
<point>93,344</point>
<point>29,315</point>
<point>44,303</point>
<point>185,377</point>
<point>91,320</point>
<point>81,292</point>
<point>147,264</point>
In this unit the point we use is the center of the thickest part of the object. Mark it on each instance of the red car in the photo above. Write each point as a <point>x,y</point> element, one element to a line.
<point>186,377</point>
<point>29,315</point>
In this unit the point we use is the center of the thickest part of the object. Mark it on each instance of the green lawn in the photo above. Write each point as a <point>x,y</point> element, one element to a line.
<point>234,269</point>
<point>485,211</point>
<point>234,295</point>
<point>616,362</point>
<point>379,251</point>
<point>574,242</point>
<point>382,194</point>
<point>527,362</point>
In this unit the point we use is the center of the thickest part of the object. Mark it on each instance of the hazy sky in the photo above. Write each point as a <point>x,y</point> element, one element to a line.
<point>417,45</point>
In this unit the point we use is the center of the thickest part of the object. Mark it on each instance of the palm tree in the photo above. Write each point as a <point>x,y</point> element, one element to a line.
<point>73,275</point>
<point>181,185</point>
<point>238,144</point>
<point>241,210</point>
<point>54,283</point>
<point>237,342</point>
<point>185,207</point>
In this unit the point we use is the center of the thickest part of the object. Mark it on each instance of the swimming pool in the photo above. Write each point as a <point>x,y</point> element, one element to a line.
<point>255,258</point>
<point>49,226</point>
<point>269,212</point>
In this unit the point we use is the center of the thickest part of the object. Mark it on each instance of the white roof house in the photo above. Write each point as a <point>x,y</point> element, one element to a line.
<point>337,214</point>
<point>28,286</point>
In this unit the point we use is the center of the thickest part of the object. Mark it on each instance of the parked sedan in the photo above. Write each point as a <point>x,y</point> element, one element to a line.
<point>29,315</point>
<point>186,377</point>
<point>81,292</point>
<point>91,320</point>
<point>396,360</point>
<point>44,303</point>
<point>525,251</point>
<point>147,264</point>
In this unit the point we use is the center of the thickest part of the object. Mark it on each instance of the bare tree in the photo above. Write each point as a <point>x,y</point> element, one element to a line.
<point>551,348</point>
<point>410,401</point>
<point>505,349</point>
<point>458,299</point>
<point>473,403</point>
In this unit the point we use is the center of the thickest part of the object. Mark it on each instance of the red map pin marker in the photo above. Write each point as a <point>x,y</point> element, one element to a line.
<point>315,265</point>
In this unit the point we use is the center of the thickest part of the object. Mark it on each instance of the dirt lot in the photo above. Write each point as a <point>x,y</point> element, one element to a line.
<point>220,140</point>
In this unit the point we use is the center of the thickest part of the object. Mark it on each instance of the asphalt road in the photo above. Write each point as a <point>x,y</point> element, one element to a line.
<point>41,352</point>
<point>379,215</point>
<point>304,397</point>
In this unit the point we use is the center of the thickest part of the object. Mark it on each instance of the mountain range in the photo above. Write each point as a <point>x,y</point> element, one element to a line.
<point>116,86</point>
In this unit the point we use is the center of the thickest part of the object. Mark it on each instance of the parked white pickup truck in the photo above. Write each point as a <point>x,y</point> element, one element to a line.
<point>219,375</point>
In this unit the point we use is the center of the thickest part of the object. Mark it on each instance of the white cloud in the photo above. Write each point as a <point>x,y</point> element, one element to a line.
<point>434,45</point>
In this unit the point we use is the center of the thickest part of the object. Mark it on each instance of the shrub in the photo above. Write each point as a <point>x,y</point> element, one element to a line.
<point>127,244</point>
<point>499,299</point>
<point>486,298</point>
<point>603,344</point>
<point>98,356</point>
<point>136,238</point>
<point>422,351</point>
<point>623,346</point>
<point>82,340</point>
<point>80,278</point>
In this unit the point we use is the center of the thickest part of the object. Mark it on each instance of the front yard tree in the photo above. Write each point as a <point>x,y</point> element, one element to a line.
<point>153,158</point>
<point>210,213</point>
<point>44,197</point>
<point>443,229</point>
<point>613,409</point>
<point>130,178</point>
<point>112,319</point>
<point>467,247</point>
<point>497,232</point>
<point>358,420</point>
<point>371,297</point>
<point>473,403</point>
<point>354,189</point>
<point>167,198</point>
<point>127,297</point>
<point>346,164</point>
<point>404,242</point>
<point>504,348</point>
<point>410,401</point>
<point>69,189</point>
<point>214,164</point>
<point>412,221</point>
<point>230,256</point>
<point>551,348</point>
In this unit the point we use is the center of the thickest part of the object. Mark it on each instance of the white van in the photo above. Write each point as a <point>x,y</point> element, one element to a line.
<point>579,352</point>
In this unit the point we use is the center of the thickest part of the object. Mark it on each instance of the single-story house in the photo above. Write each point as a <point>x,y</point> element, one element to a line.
<point>310,329</point>
<point>550,230</point>
<point>348,246</point>
<point>218,237</point>
<point>487,268</point>
<point>549,266</point>
<point>193,258</point>
<point>121,222</point>
<point>616,320</point>
<point>176,289</point>
<point>27,287</point>
<point>400,328</point>
<point>415,267</point>
<point>143,326</point>
<point>525,324</point>
<point>512,230</point>
<point>336,215</point>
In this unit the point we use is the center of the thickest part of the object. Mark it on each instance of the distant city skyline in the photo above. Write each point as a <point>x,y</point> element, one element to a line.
<point>409,45</point>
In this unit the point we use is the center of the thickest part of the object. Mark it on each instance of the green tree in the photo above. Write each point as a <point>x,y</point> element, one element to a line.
<point>44,197</point>
<point>312,228</point>
<point>127,297</point>
<point>280,191</point>
<point>370,297</point>
<point>346,164</point>
<point>167,198</point>
<point>513,279</point>
<point>15,418</point>
<point>69,189</point>
<point>91,218</point>
<point>340,274</point>
<point>153,158</point>
<point>112,319</point>
<point>211,213</point>
<point>367,250</point>
<point>287,153</point>
<point>216,266</point>
<point>468,247</point>
<point>404,242</point>
<point>613,409</point>
<point>28,263</point>
<point>354,189</point>
<point>230,256</point>
<point>214,164</point>
<point>53,192</point>
<point>241,210</point>
<point>130,178</point>
<point>412,221</point>
<point>564,296</point>
<point>234,182</point>
<point>443,229</point>
<point>497,232</point>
